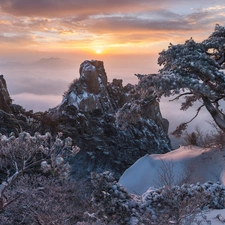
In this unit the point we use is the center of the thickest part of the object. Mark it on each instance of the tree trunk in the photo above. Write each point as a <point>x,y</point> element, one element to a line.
<point>217,116</point>
<point>3,186</point>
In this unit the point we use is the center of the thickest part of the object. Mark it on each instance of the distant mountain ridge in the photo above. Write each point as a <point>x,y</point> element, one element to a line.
<point>52,62</point>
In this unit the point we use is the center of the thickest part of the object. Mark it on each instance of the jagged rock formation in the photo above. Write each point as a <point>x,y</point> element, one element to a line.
<point>87,112</point>
<point>91,92</point>
<point>8,122</point>
<point>5,100</point>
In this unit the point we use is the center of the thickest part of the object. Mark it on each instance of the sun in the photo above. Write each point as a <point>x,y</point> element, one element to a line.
<point>98,51</point>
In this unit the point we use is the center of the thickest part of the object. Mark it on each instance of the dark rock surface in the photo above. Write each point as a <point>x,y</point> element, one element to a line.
<point>8,122</point>
<point>5,100</point>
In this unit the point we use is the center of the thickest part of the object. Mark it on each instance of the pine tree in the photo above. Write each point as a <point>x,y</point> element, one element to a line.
<point>193,71</point>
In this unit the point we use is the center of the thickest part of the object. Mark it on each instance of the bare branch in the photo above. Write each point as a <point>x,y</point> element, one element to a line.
<point>198,110</point>
<point>187,93</point>
<point>183,126</point>
<point>8,182</point>
<point>12,200</point>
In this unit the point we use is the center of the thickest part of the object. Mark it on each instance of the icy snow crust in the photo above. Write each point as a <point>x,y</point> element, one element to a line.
<point>217,217</point>
<point>188,163</point>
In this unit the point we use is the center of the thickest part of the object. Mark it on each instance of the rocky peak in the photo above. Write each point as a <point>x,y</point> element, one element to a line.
<point>118,83</point>
<point>5,100</point>
<point>93,76</point>
<point>93,92</point>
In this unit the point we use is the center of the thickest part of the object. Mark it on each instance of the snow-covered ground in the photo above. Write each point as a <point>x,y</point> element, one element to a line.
<point>187,164</point>
<point>216,216</point>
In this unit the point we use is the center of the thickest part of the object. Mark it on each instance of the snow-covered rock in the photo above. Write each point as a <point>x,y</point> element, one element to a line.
<point>90,91</point>
<point>188,164</point>
<point>87,113</point>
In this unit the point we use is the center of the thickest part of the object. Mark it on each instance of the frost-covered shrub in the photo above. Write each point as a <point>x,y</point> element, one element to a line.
<point>178,202</point>
<point>32,154</point>
<point>112,200</point>
<point>46,200</point>
<point>211,139</point>
<point>166,205</point>
<point>128,115</point>
<point>71,87</point>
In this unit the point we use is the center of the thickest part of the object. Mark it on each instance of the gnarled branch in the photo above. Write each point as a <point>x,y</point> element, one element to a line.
<point>183,126</point>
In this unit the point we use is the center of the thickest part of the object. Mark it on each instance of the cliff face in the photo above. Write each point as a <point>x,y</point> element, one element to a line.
<point>5,99</point>
<point>8,122</point>
<point>87,112</point>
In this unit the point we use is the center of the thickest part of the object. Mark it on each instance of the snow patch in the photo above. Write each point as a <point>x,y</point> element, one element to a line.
<point>216,216</point>
<point>188,163</point>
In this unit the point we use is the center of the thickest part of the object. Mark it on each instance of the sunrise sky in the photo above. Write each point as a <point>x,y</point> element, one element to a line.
<point>102,26</point>
<point>126,34</point>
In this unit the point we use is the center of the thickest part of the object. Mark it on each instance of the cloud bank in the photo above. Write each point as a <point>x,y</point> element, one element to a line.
<point>86,24</point>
